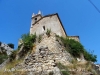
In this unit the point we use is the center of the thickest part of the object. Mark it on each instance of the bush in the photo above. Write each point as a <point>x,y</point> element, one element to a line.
<point>11,45</point>
<point>13,55</point>
<point>39,38</point>
<point>28,40</point>
<point>89,56</point>
<point>26,45</point>
<point>75,49</point>
<point>63,69</point>
<point>3,57</point>
<point>48,32</point>
<point>61,66</point>
<point>64,72</point>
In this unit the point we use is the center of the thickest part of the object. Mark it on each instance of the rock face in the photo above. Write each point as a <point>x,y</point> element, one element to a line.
<point>47,54</point>
<point>6,49</point>
<point>45,57</point>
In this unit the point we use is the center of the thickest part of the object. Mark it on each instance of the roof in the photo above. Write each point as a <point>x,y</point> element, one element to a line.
<point>75,36</point>
<point>37,15</point>
<point>49,16</point>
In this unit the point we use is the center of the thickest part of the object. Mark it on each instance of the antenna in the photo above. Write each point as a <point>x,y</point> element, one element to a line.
<point>94,6</point>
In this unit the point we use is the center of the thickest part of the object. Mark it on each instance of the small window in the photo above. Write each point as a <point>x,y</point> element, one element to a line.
<point>35,19</point>
<point>44,27</point>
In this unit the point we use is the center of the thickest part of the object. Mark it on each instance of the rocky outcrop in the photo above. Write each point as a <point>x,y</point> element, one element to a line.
<point>44,60</point>
<point>6,49</point>
<point>45,57</point>
<point>4,63</point>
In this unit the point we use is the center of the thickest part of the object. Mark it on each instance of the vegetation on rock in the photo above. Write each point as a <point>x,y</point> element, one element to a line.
<point>3,57</point>
<point>27,44</point>
<point>28,40</point>
<point>63,69</point>
<point>13,55</point>
<point>48,32</point>
<point>75,48</point>
<point>39,38</point>
<point>3,54</point>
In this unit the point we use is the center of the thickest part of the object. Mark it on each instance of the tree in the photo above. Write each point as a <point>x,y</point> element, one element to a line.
<point>11,45</point>
<point>0,43</point>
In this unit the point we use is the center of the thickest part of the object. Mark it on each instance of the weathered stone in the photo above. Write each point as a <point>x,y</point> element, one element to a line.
<point>42,52</point>
<point>45,67</point>
<point>6,49</point>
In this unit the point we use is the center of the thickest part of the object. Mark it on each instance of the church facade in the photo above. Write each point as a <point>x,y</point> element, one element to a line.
<point>40,24</point>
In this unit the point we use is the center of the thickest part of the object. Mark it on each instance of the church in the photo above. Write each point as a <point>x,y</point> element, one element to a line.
<point>40,24</point>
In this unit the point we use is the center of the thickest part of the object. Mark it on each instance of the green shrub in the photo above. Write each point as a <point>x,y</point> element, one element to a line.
<point>13,55</point>
<point>20,46</point>
<point>73,47</point>
<point>48,32</point>
<point>39,38</point>
<point>63,69</point>
<point>89,56</point>
<point>64,72</point>
<point>28,40</point>
<point>3,57</point>
<point>61,66</point>
<point>27,44</point>
<point>76,49</point>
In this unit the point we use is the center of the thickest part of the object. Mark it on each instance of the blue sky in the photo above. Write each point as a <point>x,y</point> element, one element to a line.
<point>79,17</point>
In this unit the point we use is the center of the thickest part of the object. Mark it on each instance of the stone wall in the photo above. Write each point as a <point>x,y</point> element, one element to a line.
<point>47,53</point>
<point>76,38</point>
<point>35,19</point>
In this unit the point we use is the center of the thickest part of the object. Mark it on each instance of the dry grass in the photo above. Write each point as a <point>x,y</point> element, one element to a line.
<point>80,67</point>
<point>33,49</point>
<point>6,73</point>
<point>13,63</point>
<point>15,72</point>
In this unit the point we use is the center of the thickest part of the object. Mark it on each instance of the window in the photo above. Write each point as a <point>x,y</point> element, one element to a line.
<point>44,27</point>
<point>35,19</point>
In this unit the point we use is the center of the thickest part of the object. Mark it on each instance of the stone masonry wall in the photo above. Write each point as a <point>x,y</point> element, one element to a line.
<point>47,53</point>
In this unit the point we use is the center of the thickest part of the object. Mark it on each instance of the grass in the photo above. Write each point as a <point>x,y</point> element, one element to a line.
<point>48,32</point>
<point>63,69</point>
<point>7,70</point>
<point>75,48</point>
<point>14,72</point>
<point>39,38</point>
<point>13,63</point>
<point>51,73</point>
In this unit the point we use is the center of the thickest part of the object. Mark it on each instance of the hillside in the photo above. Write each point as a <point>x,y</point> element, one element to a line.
<point>49,54</point>
<point>5,51</point>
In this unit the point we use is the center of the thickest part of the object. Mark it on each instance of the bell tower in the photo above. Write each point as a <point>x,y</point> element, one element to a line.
<point>35,18</point>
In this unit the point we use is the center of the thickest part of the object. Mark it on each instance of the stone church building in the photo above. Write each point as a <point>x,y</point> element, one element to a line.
<point>40,24</point>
